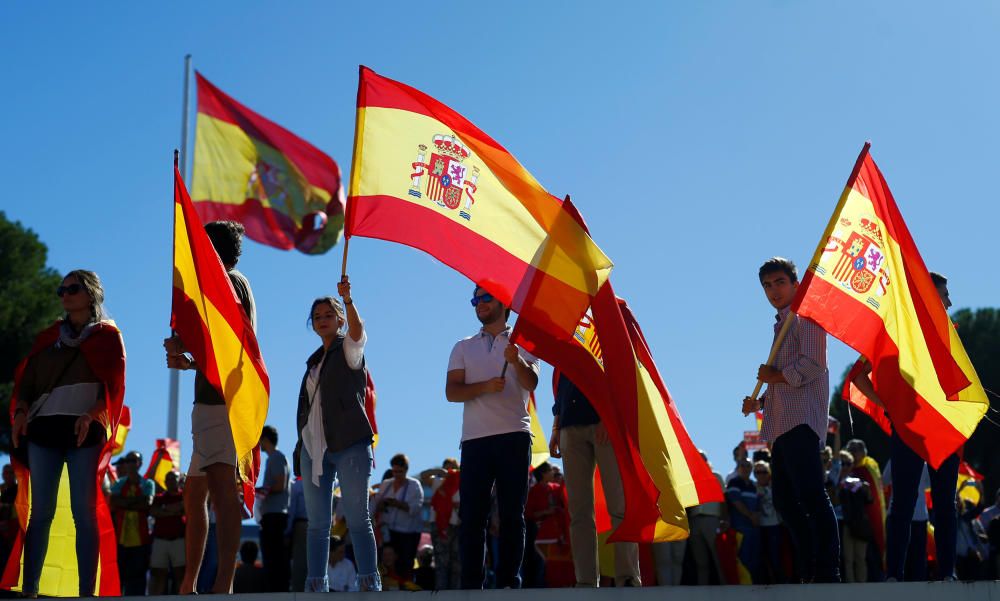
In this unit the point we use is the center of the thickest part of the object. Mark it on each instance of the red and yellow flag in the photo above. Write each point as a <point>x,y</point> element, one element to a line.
<point>209,318</point>
<point>868,286</point>
<point>370,398</point>
<point>165,459</point>
<point>121,435</point>
<point>856,398</point>
<point>425,176</point>
<point>539,444</point>
<point>285,191</point>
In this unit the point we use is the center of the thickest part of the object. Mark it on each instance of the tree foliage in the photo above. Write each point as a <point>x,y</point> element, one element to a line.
<point>27,304</point>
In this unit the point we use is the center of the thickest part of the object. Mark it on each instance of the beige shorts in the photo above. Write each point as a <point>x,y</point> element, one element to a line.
<point>212,438</point>
<point>167,554</point>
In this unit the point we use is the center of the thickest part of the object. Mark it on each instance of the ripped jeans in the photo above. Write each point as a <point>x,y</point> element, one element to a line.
<point>352,467</point>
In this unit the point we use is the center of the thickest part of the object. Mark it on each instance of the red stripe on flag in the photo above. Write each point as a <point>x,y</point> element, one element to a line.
<point>910,413</point>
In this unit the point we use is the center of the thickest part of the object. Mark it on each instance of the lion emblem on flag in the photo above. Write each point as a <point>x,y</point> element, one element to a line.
<point>861,263</point>
<point>445,178</point>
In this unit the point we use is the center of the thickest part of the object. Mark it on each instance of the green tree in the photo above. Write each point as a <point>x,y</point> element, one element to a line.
<point>27,304</point>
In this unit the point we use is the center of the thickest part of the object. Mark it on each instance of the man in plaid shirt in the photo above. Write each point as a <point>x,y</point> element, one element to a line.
<point>795,406</point>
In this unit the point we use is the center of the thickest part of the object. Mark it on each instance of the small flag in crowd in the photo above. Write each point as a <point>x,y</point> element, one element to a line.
<point>285,191</point>
<point>165,459</point>
<point>867,285</point>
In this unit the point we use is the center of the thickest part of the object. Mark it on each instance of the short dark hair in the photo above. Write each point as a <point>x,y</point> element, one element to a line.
<point>227,238</point>
<point>542,469</point>
<point>776,264</point>
<point>400,460</point>
<point>762,455</point>
<point>270,433</point>
<point>506,308</point>
<point>938,279</point>
<point>248,552</point>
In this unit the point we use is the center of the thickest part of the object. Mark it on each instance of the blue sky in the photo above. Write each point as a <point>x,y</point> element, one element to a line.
<point>698,139</point>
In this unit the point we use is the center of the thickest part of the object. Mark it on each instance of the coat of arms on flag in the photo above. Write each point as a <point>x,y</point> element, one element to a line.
<point>448,179</point>
<point>857,259</point>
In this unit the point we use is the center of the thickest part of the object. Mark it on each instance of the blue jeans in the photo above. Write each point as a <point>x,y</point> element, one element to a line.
<point>801,500</point>
<point>906,469</point>
<point>352,467</point>
<point>46,466</point>
<point>502,459</point>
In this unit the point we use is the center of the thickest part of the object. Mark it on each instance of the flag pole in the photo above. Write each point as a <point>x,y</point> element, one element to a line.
<point>181,158</point>
<point>774,352</point>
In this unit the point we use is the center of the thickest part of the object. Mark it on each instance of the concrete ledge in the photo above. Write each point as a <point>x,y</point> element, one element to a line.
<point>902,591</point>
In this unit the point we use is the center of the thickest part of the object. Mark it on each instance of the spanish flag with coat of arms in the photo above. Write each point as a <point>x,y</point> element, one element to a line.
<point>867,285</point>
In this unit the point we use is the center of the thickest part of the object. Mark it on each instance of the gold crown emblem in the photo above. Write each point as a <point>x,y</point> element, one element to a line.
<point>870,229</point>
<point>450,146</point>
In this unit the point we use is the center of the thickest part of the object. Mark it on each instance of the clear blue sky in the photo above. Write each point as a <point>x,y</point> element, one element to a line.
<point>698,139</point>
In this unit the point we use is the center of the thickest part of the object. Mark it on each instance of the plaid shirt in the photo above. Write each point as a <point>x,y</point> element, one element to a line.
<point>805,399</point>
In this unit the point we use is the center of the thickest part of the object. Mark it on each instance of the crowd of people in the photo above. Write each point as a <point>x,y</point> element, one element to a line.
<point>795,512</point>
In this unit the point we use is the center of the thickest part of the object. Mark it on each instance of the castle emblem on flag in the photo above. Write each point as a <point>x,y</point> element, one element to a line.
<point>861,261</point>
<point>445,178</point>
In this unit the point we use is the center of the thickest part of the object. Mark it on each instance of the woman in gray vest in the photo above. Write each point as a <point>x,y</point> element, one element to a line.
<point>335,439</point>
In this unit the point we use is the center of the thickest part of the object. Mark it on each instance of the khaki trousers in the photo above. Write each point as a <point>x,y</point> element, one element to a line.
<point>581,453</point>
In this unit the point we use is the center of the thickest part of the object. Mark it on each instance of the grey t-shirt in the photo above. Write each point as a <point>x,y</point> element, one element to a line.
<point>275,472</point>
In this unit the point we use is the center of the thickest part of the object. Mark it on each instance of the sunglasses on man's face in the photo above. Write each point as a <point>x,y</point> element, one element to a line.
<point>482,298</point>
<point>763,473</point>
<point>71,290</point>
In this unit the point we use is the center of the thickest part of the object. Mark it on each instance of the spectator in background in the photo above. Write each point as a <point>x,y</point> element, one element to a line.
<point>444,483</point>
<point>425,574</point>
<point>705,521</point>
<point>168,536</point>
<point>399,501</point>
<point>341,573</point>
<point>971,545</point>
<point>581,440</point>
<point>8,513</point>
<point>249,576</point>
<point>131,498</point>
<point>546,507</point>
<point>770,527</point>
<point>744,511</point>
<point>855,495</point>
<point>739,454</point>
<point>274,513</point>
<point>991,526</point>
<point>295,533</point>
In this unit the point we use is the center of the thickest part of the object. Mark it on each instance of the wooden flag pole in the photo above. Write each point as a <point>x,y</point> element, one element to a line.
<point>343,265</point>
<point>774,351</point>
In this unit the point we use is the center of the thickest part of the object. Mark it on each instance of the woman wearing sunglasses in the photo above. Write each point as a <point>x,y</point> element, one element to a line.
<point>335,439</point>
<point>67,402</point>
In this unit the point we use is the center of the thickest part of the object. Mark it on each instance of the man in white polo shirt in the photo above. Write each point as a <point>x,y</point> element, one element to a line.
<point>496,439</point>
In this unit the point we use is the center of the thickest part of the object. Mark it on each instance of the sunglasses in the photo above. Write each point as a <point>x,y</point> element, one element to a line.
<point>72,289</point>
<point>482,298</point>
<point>763,473</point>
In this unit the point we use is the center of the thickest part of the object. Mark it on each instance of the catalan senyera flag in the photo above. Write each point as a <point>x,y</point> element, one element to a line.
<point>165,459</point>
<point>104,352</point>
<point>425,176</point>
<point>539,444</point>
<point>285,191</point>
<point>209,318</point>
<point>867,285</point>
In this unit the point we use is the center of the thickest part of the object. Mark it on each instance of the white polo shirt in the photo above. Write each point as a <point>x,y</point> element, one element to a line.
<point>481,356</point>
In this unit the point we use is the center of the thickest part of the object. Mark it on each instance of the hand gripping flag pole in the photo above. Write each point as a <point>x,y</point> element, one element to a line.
<point>780,338</point>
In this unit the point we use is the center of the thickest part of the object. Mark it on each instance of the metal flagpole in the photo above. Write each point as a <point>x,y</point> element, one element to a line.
<point>173,400</point>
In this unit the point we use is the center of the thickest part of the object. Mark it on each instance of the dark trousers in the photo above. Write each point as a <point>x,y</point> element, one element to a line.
<point>906,469</point>
<point>503,460</point>
<point>800,497</point>
<point>133,563</point>
<point>916,553</point>
<point>405,544</point>
<point>274,556</point>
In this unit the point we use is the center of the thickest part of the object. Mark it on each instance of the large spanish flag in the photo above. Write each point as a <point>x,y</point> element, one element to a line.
<point>868,286</point>
<point>286,192</point>
<point>104,352</point>
<point>209,318</point>
<point>425,176</point>
<point>609,360</point>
